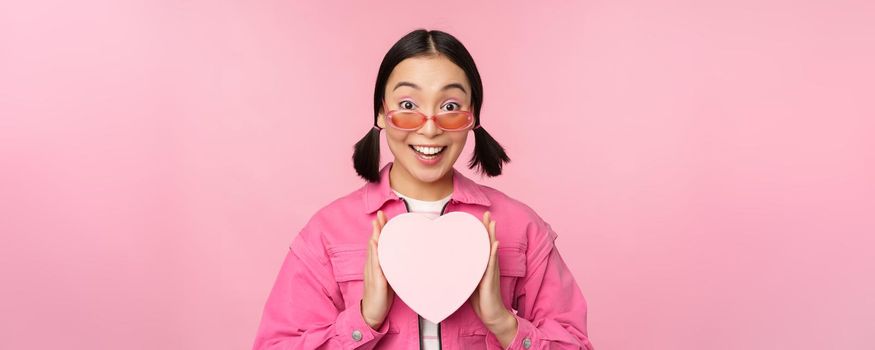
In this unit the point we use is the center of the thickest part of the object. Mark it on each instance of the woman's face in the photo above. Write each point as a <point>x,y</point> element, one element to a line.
<point>430,84</point>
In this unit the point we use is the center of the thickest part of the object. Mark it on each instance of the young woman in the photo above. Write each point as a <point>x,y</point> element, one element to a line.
<point>331,292</point>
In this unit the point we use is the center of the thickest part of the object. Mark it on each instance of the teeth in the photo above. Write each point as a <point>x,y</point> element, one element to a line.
<point>428,150</point>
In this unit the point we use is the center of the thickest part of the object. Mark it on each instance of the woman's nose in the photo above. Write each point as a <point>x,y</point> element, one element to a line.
<point>430,128</point>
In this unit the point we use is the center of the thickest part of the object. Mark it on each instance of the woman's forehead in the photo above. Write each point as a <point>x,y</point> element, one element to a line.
<point>431,74</point>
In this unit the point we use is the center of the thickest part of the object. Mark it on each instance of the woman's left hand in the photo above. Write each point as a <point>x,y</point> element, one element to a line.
<point>486,299</point>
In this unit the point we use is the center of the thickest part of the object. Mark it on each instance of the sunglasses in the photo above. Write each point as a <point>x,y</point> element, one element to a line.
<point>409,120</point>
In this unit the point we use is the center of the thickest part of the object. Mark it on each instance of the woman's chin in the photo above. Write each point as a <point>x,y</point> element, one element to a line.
<point>427,175</point>
<point>430,173</point>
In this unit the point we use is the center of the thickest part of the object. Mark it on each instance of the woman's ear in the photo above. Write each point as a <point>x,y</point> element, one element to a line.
<point>381,121</point>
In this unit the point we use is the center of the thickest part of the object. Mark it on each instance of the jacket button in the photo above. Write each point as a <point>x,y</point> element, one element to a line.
<point>356,335</point>
<point>527,343</point>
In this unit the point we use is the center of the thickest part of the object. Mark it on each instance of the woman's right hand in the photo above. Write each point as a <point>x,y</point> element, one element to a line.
<point>378,295</point>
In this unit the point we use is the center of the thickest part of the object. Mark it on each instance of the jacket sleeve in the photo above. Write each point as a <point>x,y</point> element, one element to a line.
<point>551,309</point>
<point>305,309</point>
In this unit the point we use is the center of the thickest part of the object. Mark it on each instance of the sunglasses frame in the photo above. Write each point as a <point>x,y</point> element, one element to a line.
<point>425,118</point>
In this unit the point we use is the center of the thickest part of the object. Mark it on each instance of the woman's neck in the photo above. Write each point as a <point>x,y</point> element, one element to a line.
<point>402,181</point>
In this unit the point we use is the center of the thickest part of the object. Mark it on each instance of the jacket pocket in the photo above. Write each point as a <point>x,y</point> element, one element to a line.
<point>348,264</point>
<point>512,259</point>
<point>472,338</point>
<point>511,267</point>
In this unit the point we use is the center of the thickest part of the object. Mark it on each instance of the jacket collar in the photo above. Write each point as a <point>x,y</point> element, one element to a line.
<point>464,190</point>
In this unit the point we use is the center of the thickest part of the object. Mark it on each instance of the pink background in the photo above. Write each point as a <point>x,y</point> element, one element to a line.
<point>709,166</point>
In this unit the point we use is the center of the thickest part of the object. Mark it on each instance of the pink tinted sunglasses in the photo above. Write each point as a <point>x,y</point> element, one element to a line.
<point>409,120</point>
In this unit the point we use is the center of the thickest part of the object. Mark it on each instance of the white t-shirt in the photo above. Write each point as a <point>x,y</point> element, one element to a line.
<point>429,335</point>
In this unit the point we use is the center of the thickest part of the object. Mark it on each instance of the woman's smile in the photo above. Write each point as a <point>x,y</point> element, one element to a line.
<point>428,155</point>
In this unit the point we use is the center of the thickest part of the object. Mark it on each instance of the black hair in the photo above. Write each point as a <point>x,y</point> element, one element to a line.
<point>488,155</point>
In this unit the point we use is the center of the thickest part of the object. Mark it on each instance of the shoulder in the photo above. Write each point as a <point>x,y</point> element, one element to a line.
<point>340,216</point>
<point>347,205</point>
<point>509,205</point>
<point>518,214</point>
<point>518,226</point>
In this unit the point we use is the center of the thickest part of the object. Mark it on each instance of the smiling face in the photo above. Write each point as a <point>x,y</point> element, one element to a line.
<point>430,85</point>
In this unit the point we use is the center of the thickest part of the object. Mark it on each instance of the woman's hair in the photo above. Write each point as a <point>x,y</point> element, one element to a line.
<point>488,154</point>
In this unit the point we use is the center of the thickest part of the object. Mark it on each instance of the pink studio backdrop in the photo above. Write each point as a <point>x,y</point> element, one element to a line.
<point>709,166</point>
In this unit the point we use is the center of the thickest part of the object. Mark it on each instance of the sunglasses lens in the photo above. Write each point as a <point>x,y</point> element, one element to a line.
<point>406,120</point>
<point>453,121</point>
<point>446,120</point>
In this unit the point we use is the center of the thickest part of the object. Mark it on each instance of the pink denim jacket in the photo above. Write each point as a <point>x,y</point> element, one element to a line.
<point>314,303</point>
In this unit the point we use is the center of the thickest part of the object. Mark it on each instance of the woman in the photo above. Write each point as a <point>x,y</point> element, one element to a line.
<point>331,292</point>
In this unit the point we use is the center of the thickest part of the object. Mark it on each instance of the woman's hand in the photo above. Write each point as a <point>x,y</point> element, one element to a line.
<point>486,299</point>
<point>378,295</point>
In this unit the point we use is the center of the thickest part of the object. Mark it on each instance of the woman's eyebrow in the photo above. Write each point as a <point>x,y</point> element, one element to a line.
<point>449,86</point>
<point>455,85</point>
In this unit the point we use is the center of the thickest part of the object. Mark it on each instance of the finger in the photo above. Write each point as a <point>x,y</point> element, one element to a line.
<point>488,279</point>
<point>495,264</point>
<point>371,246</point>
<point>492,231</point>
<point>367,266</point>
<point>382,218</point>
<point>381,221</point>
<point>376,229</point>
<point>492,255</point>
<point>375,262</point>
<point>487,219</point>
<point>370,258</point>
<point>374,234</point>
